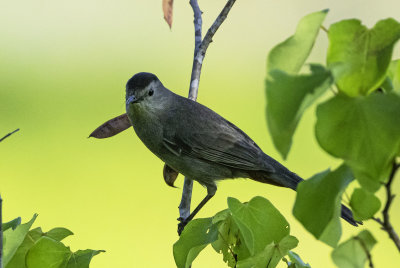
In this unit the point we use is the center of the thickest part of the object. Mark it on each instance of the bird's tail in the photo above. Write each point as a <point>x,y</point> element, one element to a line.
<point>288,179</point>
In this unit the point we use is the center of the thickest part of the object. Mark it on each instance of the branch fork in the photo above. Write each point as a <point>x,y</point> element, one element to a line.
<point>200,49</point>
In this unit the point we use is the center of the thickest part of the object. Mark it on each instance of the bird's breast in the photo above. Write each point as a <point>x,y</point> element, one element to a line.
<point>147,127</point>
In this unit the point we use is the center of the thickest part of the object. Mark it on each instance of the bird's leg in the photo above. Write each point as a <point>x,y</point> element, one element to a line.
<point>210,193</point>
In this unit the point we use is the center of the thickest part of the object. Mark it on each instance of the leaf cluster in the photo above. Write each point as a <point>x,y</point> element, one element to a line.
<point>359,123</point>
<point>25,247</point>
<point>253,234</point>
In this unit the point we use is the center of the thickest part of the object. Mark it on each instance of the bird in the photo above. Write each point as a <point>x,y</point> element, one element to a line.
<point>199,143</point>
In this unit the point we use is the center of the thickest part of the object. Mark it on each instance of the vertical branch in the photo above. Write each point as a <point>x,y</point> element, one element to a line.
<point>198,23</point>
<point>200,49</point>
<point>184,206</point>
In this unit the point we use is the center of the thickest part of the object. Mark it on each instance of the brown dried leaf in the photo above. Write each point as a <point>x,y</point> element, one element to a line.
<point>112,127</point>
<point>170,175</point>
<point>167,9</point>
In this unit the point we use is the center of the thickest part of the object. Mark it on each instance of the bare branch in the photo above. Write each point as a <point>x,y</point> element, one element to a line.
<point>386,225</point>
<point>199,54</point>
<point>9,134</point>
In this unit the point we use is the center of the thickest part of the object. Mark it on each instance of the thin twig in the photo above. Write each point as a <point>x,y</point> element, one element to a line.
<point>324,29</point>
<point>369,257</point>
<point>386,225</point>
<point>199,54</point>
<point>9,134</point>
<point>199,57</point>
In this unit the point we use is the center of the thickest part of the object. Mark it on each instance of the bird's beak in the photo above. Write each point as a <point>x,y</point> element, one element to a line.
<point>131,99</point>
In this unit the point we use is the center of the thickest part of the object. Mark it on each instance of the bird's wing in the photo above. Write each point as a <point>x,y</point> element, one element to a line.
<point>199,132</point>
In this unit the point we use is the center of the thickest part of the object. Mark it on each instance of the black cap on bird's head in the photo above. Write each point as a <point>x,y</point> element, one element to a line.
<point>140,80</point>
<point>141,88</point>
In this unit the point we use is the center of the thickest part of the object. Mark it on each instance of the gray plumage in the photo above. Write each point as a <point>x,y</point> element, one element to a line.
<point>197,142</point>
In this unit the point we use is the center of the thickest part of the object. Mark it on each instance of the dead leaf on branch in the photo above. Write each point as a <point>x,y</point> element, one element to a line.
<point>112,127</point>
<point>170,175</point>
<point>167,9</point>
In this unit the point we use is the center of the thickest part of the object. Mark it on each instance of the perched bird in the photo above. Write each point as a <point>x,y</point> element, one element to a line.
<point>197,142</point>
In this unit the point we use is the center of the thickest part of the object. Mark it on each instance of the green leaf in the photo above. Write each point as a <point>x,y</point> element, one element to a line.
<point>288,96</point>
<point>259,222</point>
<point>229,239</point>
<point>59,233</point>
<point>194,238</point>
<point>221,216</point>
<point>364,131</point>
<point>14,238</point>
<point>352,253</point>
<point>82,258</point>
<point>296,261</point>
<point>291,54</point>
<point>18,260</point>
<point>387,84</point>
<point>364,204</point>
<point>394,75</point>
<point>271,255</point>
<point>359,57</point>
<point>318,204</point>
<point>11,224</point>
<point>47,253</point>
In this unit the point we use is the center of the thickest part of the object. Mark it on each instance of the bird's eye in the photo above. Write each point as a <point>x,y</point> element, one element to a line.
<point>151,92</point>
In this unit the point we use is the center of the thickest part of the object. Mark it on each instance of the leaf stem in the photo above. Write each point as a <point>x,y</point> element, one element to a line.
<point>324,29</point>
<point>369,257</point>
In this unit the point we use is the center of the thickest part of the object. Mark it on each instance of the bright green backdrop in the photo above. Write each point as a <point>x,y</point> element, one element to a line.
<point>63,69</point>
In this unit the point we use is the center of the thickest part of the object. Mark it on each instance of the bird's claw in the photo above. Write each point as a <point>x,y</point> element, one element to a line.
<point>182,224</point>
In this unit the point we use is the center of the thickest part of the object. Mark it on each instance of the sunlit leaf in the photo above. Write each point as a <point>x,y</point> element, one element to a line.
<point>288,96</point>
<point>394,75</point>
<point>194,238</point>
<point>318,204</point>
<point>18,260</point>
<point>82,258</point>
<point>364,131</point>
<point>259,222</point>
<point>271,255</point>
<point>11,224</point>
<point>353,252</point>
<point>58,233</point>
<point>291,54</point>
<point>112,127</point>
<point>167,6</point>
<point>359,57</point>
<point>14,238</point>
<point>47,253</point>
<point>296,261</point>
<point>228,241</point>
<point>364,204</point>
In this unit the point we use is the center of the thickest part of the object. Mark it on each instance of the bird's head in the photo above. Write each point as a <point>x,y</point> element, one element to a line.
<point>145,90</point>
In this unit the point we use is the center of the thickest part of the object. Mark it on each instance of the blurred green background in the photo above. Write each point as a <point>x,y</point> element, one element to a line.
<point>63,69</point>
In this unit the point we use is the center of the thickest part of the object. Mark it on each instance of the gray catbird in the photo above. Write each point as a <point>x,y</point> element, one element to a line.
<point>197,142</point>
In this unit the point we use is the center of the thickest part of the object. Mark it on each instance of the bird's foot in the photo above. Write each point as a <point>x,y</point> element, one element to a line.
<point>182,224</point>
